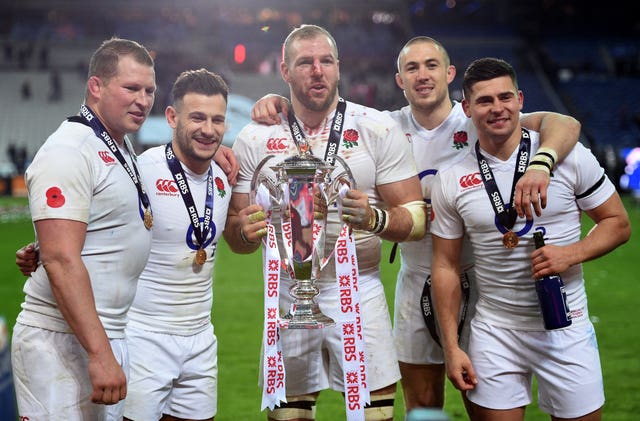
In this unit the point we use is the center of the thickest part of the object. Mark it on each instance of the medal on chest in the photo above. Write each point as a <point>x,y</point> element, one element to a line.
<point>201,257</point>
<point>148,219</point>
<point>505,212</point>
<point>510,239</point>
<point>200,230</point>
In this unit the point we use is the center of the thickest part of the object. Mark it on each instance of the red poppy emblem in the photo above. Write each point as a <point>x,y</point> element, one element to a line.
<point>55,198</point>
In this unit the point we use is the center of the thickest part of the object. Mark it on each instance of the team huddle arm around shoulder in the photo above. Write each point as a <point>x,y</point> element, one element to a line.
<point>557,131</point>
<point>266,110</point>
<point>226,159</point>
<point>558,135</point>
<point>71,286</point>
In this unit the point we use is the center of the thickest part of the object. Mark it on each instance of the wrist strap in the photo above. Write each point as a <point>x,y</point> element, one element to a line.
<point>379,222</point>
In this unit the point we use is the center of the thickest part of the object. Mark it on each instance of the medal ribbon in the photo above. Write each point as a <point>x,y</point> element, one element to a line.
<point>200,231</point>
<point>507,217</point>
<point>354,368</point>
<point>273,371</point>
<point>333,143</point>
<point>89,118</point>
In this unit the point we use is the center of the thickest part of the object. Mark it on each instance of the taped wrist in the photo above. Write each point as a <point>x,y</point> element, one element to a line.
<point>544,160</point>
<point>379,221</point>
<point>418,219</point>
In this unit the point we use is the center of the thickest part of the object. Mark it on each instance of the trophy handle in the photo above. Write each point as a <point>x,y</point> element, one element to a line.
<point>345,175</point>
<point>259,178</point>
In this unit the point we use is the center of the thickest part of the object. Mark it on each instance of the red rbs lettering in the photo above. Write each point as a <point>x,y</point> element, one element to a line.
<point>342,252</point>
<point>353,397</point>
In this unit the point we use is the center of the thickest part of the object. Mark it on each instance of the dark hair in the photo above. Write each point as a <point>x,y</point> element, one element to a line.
<point>486,69</point>
<point>306,32</point>
<point>104,61</point>
<point>425,39</point>
<point>200,81</point>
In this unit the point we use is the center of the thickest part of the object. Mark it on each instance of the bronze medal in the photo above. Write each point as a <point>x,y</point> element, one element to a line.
<point>148,219</point>
<point>510,239</point>
<point>201,257</point>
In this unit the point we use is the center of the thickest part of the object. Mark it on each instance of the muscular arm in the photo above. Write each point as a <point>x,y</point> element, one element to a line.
<point>71,286</point>
<point>558,132</point>
<point>394,195</point>
<point>445,283</point>
<point>356,206</point>
<point>611,230</point>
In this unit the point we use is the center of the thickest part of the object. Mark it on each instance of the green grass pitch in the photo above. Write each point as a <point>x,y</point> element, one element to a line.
<point>612,286</point>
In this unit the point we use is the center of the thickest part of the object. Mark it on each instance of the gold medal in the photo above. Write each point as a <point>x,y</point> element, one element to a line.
<point>148,219</point>
<point>201,257</point>
<point>510,239</point>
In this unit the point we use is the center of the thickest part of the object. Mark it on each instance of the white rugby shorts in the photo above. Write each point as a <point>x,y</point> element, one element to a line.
<point>565,362</point>
<point>51,376</point>
<point>161,361</point>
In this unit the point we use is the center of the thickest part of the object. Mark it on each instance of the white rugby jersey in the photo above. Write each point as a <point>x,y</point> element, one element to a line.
<point>434,149</point>
<point>74,176</point>
<point>507,294</point>
<point>174,293</point>
<point>372,145</point>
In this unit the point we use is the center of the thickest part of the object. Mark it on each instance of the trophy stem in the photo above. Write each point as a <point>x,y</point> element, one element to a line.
<point>305,312</point>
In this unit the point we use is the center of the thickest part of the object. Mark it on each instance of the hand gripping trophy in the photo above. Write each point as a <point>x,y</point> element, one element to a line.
<point>297,192</point>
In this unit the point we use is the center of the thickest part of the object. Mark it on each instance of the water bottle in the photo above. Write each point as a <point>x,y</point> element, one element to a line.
<point>552,296</point>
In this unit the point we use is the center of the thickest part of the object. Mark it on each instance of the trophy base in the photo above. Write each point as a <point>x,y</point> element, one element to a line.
<point>305,317</point>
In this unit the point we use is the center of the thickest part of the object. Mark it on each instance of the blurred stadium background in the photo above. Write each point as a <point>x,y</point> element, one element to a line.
<point>580,57</point>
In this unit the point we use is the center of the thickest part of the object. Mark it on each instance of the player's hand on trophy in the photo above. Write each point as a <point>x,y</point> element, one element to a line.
<point>252,224</point>
<point>319,204</point>
<point>356,211</point>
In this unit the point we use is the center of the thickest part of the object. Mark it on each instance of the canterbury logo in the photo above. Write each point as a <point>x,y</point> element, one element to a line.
<point>276,144</point>
<point>106,157</point>
<point>470,180</point>
<point>168,186</point>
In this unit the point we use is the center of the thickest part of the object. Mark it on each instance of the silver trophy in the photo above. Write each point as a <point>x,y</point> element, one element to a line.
<point>296,187</point>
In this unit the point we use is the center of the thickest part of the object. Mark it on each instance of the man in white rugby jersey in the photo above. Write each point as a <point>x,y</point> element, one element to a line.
<point>509,344</point>
<point>387,204</point>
